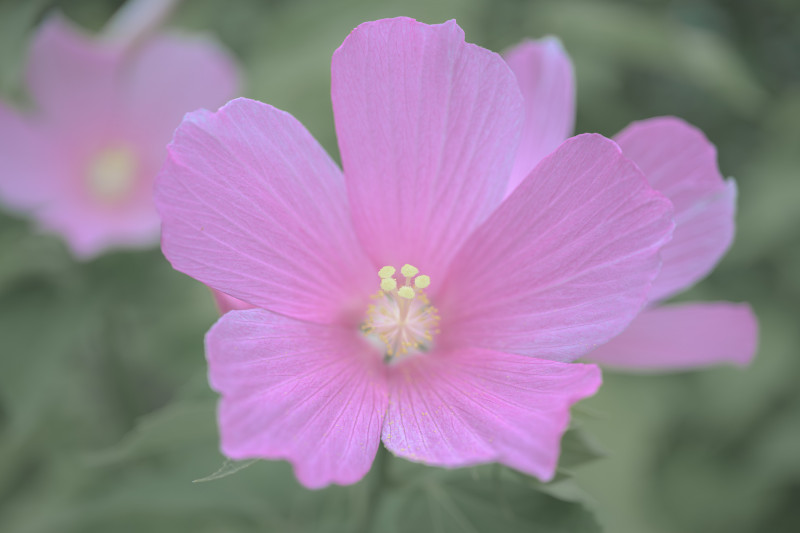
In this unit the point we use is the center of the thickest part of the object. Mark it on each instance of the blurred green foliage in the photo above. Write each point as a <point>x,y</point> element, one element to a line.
<point>105,416</point>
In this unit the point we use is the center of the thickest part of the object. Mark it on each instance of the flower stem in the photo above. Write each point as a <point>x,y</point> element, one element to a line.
<point>377,487</point>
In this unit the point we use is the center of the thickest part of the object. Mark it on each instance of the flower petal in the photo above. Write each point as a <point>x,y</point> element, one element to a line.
<point>565,263</point>
<point>227,303</point>
<point>428,126</point>
<point>27,171</point>
<point>679,161</point>
<point>475,406</point>
<point>170,76</point>
<point>90,230</point>
<point>683,336</point>
<point>547,80</point>
<point>73,78</point>
<point>311,394</point>
<point>254,207</point>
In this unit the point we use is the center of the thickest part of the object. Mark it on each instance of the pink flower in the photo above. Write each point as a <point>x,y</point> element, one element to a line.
<point>679,162</point>
<point>83,163</point>
<point>403,300</point>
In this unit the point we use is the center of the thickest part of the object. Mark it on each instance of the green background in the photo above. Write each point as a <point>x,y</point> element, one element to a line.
<point>105,417</point>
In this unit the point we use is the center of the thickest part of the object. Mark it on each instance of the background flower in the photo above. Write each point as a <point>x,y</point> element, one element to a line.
<point>82,162</point>
<point>680,162</point>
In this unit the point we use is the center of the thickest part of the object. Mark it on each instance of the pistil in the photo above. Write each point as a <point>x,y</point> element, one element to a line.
<point>402,317</point>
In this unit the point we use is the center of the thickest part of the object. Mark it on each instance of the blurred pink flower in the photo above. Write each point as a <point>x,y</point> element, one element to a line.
<point>82,163</point>
<point>462,358</point>
<point>679,162</point>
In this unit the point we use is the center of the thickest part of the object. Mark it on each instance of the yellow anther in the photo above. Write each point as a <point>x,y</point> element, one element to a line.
<point>409,271</point>
<point>386,272</point>
<point>400,315</point>
<point>388,284</point>
<point>406,292</point>
<point>111,174</point>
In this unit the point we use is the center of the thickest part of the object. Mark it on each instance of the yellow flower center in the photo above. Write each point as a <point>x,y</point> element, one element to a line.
<point>111,174</point>
<point>402,317</point>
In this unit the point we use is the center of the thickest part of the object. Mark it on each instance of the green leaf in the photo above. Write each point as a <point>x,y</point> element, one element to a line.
<point>171,428</point>
<point>577,448</point>
<point>16,20</point>
<point>648,40</point>
<point>396,496</point>
<point>485,498</point>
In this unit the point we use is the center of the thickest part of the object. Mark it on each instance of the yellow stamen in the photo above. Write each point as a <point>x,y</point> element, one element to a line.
<point>422,282</point>
<point>111,174</point>
<point>386,272</point>
<point>401,317</point>
<point>409,271</point>
<point>406,292</point>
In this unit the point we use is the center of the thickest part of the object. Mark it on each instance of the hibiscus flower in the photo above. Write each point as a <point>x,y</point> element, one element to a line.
<point>402,299</point>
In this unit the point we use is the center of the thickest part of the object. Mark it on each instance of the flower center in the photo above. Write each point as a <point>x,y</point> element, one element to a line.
<point>402,317</point>
<point>111,174</point>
